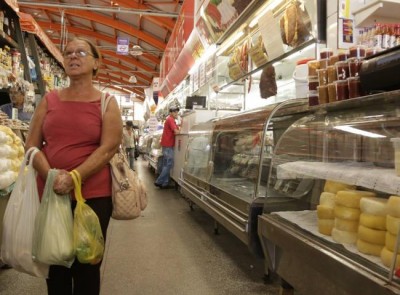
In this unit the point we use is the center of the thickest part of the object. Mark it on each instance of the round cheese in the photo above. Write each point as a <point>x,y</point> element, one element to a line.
<point>325,226</point>
<point>374,206</point>
<point>351,198</point>
<point>334,187</point>
<point>373,221</point>
<point>393,206</point>
<point>372,236</point>
<point>387,256</point>
<point>347,213</point>
<point>392,224</point>
<point>327,199</point>
<point>346,225</point>
<point>344,237</point>
<point>325,212</point>
<point>390,242</point>
<point>368,248</point>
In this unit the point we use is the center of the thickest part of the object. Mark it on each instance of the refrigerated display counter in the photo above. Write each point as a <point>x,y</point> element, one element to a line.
<point>154,157</point>
<point>342,145</point>
<point>227,164</point>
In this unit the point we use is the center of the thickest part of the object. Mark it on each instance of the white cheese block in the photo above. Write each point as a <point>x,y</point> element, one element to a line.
<point>390,242</point>
<point>334,187</point>
<point>372,236</point>
<point>374,206</point>
<point>346,213</point>
<point>393,206</point>
<point>346,225</point>
<point>325,212</point>
<point>392,224</point>
<point>368,248</point>
<point>325,226</point>
<point>352,198</point>
<point>387,256</point>
<point>373,221</point>
<point>344,237</point>
<point>327,199</point>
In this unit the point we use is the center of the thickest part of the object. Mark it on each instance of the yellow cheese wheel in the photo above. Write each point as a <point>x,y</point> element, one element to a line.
<point>368,248</point>
<point>373,221</point>
<point>346,225</point>
<point>373,236</point>
<point>393,206</point>
<point>374,206</point>
<point>390,242</point>
<point>351,198</point>
<point>325,226</point>
<point>347,213</point>
<point>334,187</point>
<point>325,212</point>
<point>344,237</point>
<point>327,199</point>
<point>392,224</point>
<point>387,256</point>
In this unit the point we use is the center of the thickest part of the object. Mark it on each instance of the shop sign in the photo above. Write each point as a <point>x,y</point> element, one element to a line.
<point>123,46</point>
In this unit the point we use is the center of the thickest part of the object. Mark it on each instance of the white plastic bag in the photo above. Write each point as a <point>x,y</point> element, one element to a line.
<point>19,219</point>
<point>53,235</point>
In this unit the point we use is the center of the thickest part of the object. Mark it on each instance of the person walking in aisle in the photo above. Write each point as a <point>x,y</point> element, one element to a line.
<point>167,143</point>
<point>129,141</point>
<point>71,133</point>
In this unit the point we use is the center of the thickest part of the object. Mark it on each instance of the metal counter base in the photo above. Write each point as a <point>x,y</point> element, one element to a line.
<point>312,267</point>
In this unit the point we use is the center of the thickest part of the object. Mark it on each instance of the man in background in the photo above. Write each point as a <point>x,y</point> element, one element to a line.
<point>167,143</point>
<point>17,98</point>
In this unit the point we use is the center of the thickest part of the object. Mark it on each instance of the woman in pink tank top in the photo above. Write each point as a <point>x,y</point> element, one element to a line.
<point>68,128</point>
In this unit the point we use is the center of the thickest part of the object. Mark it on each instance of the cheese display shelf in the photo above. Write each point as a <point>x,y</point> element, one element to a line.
<point>227,162</point>
<point>346,145</point>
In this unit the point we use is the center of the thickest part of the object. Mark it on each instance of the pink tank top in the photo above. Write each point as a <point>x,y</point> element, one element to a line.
<point>71,132</point>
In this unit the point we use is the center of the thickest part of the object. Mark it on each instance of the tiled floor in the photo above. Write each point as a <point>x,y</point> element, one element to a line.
<point>168,250</point>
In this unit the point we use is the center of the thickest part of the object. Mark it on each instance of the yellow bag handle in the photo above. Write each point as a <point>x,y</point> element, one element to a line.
<point>76,177</point>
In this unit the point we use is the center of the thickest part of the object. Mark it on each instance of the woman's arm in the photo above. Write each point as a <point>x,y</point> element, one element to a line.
<point>111,137</point>
<point>35,138</point>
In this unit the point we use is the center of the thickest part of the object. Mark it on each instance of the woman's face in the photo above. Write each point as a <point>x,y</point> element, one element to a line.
<point>17,98</point>
<point>78,59</point>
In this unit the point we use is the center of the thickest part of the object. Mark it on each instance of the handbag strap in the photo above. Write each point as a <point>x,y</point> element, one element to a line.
<point>105,99</point>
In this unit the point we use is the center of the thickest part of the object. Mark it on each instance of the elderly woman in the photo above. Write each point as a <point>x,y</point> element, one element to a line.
<point>71,133</point>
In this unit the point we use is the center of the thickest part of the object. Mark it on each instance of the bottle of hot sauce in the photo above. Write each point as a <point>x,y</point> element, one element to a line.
<point>377,36</point>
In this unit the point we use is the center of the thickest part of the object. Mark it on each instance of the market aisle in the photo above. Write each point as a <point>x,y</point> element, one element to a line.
<point>169,250</point>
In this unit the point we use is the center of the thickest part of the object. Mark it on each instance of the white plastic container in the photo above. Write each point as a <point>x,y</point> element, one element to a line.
<point>300,76</point>
<point>396,145</point>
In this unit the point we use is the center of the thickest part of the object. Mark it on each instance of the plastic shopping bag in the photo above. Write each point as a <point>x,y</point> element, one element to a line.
<point>19,220</point>
<point>53,235</point>
<point>88,238</point>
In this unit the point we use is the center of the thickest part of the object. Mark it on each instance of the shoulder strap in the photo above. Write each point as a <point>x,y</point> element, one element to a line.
<point>105,99</point>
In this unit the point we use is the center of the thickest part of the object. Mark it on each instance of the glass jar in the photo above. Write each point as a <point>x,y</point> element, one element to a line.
<point>342,90</point>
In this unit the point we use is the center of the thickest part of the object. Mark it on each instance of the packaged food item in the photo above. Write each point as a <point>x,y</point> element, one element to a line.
<point>331,74</point>
<point>342,70</point>
<point>313,66</point>
<point>357,51</point>
<point>323,94</point>
<point>313,83</point>
<point>332,92</point>
<point>354,66</point>
<point>325,53</point>
<point>342,90</point>
<point>354,87</point>
<point>313,98</point>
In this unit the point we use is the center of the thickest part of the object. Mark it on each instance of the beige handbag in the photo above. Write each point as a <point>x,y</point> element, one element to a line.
<point>128,194</point>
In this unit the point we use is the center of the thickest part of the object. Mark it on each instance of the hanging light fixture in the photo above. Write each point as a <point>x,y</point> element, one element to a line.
<point>136,50</point>
<point>132,79</point>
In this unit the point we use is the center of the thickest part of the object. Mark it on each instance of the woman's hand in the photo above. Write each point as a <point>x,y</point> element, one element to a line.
<point>63,184</point>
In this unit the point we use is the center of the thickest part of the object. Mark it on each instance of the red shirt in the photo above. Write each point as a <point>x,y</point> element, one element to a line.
<point>71,132</point>
<point>168,136</point>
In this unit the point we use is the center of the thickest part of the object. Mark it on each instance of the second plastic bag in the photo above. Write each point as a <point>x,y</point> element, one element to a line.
<point>88,238</point>
<point>53,234</point>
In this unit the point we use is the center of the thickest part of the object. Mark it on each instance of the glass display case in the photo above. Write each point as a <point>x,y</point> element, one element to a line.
<point>155,154</point>
<point>226,167</point>
<point>342,146</point>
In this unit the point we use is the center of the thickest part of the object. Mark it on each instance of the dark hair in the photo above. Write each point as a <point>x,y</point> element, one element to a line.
<point>129,123</point>
<point>93,50</point>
